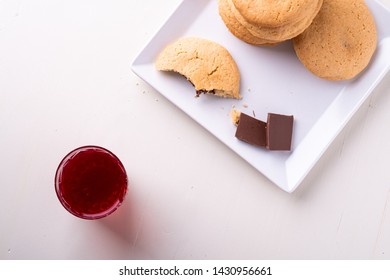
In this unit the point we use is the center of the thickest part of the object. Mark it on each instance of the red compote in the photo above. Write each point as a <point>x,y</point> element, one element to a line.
<point>91,182</point>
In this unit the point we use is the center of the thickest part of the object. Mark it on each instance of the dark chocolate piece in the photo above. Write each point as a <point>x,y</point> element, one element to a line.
<point>279,132</point>
<point>251,130</point>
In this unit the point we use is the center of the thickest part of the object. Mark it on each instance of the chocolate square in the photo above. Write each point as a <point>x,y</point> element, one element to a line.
<point>279,132</point>
<point>251,130</point>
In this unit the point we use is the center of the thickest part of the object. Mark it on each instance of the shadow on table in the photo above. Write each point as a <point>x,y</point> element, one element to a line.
<point>127,225</point>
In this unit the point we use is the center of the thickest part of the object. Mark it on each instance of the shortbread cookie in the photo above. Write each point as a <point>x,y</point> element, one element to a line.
<point>275,21</point>
<point>206,64</point>
<point>236,28</point>
<point>340,42</point>
<point>272,13</point>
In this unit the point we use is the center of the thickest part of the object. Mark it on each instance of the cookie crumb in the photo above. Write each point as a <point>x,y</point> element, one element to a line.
<point>235,116</point>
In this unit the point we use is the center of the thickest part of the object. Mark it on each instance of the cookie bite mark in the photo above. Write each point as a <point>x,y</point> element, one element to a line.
<point>206,64</point>
<point>203,91</point>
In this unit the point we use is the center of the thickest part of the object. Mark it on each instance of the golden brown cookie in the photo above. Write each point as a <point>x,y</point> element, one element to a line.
<point>275,20</point>
<point>236,28</point>
<point>340,42</point>
<point>273,13</point>
<point>206,64</point>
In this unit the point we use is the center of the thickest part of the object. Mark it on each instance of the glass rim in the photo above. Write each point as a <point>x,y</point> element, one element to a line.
<point>65,204</point>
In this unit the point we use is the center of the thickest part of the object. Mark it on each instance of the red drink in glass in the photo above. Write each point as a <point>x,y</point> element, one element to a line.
<point>91,182</point>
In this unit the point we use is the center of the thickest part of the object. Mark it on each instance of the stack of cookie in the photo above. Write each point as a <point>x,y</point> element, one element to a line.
<point>334,39</point>
<point>268,22</point>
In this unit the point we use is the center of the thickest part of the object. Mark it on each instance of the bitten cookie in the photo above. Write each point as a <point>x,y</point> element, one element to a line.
<point>340,42</point>
<point>206,64</point>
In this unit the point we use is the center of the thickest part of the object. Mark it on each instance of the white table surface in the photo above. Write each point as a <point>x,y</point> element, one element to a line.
<point>65,81</point>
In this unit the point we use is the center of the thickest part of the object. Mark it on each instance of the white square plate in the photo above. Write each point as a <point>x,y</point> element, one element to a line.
<point>272,80</point>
